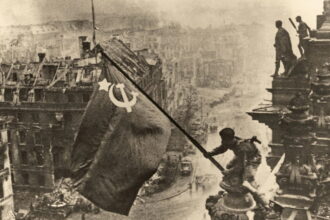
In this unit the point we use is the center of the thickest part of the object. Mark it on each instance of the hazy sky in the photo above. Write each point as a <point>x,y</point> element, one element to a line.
<point>191,12</point>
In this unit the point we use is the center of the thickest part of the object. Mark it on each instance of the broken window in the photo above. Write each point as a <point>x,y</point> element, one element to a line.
<point>55,97</point>
<point>37,138</point>
<point>86,76</point>
<point>86,97</point>
<point>10,155</point>
<point>75,76</point>
<point>15,78</point>
<point>1,189</point>
<point>70,98</point>
<point>23,95</point>
<point>25,178</point>
<point>52,97</point>
<point>9,95</point>
<point>31,95</point>
<point>22,136</point>
<point>35,117</point>
<point>96,75</point>
<point>19,116</point>
<point>51,118</point>
<point>57,156</point>
<point>41,180</point>
<point>28,78</point>
<point>38,95</point>
<point>9,137</point>
<point>24,157</point>
<point>67,117</point>
<point>2,162</point>
<point>40,157</point>
<point>49,72</point>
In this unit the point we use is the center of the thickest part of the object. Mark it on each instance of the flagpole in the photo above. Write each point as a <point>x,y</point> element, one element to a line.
<point>192,140</point>
<point>94,29</point>
<point>93,18</point>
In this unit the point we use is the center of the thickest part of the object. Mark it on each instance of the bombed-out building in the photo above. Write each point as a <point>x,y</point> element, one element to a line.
<point>56,39</point>
<point>47,100</point>
<point>6,189</point>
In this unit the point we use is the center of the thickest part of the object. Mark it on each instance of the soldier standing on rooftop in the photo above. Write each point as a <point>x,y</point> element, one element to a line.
<point>303,32</point>
<point>283,48</point>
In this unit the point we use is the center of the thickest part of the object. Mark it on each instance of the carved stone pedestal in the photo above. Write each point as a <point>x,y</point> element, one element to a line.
<point>230,206</point>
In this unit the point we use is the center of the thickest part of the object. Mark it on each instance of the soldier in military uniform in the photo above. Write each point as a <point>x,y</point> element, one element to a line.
<point>245,163</point>
<point>283,48</point>
<point>303,32</point>
<point>247,156</point>
<point>243,167</point>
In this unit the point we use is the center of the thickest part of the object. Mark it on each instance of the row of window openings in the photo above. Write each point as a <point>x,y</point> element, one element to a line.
<point>38,96</point>
<point>85,74</point>
<point>35,117</point>
<point>23,136</point>
<point>58,154</point>
<point>40,160</point>
<point>27,181</point>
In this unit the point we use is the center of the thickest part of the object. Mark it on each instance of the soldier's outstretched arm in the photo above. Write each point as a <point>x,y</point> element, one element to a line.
<point>219,150</point>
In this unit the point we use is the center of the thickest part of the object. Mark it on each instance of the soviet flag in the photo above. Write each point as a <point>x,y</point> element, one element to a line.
<point>122,135</point>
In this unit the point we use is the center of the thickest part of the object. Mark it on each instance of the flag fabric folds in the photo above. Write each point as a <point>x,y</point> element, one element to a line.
<point>122,135</point>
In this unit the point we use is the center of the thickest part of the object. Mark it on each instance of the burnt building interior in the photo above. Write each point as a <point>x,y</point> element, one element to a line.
<point>6,190</point>
<point>47,100</point>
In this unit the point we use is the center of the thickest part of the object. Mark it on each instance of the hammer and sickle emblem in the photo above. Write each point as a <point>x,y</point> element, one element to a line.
<point>128,104</point>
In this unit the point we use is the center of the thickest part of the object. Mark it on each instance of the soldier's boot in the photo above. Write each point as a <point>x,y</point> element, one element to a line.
<point>301,50</point>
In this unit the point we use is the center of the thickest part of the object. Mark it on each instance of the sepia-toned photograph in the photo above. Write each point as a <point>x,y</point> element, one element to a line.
<point>164,109</point>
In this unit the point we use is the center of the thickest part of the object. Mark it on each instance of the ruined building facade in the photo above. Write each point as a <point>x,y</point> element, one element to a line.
<point>47,100</point>
<point>6,189</point>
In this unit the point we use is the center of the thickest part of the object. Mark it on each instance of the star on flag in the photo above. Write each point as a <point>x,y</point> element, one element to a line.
<point>104,85</point>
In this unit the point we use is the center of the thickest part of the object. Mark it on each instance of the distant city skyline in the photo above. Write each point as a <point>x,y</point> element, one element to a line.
<point>195,13</point>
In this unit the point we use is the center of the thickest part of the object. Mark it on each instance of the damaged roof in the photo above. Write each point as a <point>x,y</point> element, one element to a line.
<point>124,57</point>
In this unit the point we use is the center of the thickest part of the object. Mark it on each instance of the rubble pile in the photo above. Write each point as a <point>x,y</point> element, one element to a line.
<point>63,201</point>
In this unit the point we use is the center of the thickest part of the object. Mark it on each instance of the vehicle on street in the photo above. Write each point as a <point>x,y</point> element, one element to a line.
<point>186,167</point>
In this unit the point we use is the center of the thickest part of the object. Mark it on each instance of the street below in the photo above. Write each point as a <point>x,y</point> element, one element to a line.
<point>179,201</point>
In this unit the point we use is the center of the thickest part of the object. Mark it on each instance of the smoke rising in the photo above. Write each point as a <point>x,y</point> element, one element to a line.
<point>187,12</point>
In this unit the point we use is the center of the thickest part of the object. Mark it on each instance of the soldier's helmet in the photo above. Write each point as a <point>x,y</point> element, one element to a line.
<point>227,134</point>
